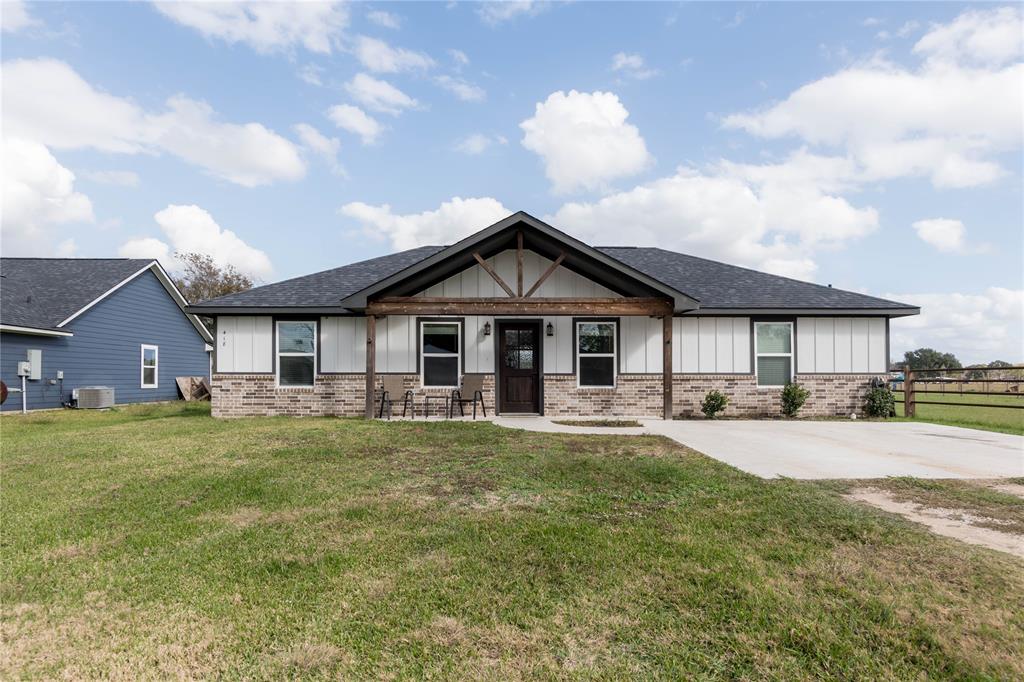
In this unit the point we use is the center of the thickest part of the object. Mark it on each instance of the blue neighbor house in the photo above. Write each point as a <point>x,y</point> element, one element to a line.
<point>117,322</point>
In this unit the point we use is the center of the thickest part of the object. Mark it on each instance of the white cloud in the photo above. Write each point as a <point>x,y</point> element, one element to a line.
<point>989,37</point>
<point>464,90</point>
<point>975,327</point>
<point>584,140</point>
<point>379,57</point>
<point>379,95</point>
<point>113,177</point>
<point>478,143</point>
<point>385,19</point>
<point>264,26</point>
<point>946,120</point>
<point>67,248</point>
<point>944,234</point>
<point>14,16</point>
<point>47,101</point>
<point>494,13</point>
<point>632,66</point>
<point>148,247</point>
<point>716,217</point>
<point>355,120</point>
<point>452,221</point>
<point>325,147</point>
<point>310,73</point>
<point>38,193</point>
<point>192,229</point>
<point>459,57</point>
<point>247,155</point>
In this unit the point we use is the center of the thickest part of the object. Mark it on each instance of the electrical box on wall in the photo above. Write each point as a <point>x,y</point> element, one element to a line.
<point>24,368</point>
<point>35,362</point>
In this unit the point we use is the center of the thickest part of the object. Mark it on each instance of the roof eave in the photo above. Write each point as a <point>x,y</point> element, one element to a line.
<point>33,331</point>
<point>895,311</point>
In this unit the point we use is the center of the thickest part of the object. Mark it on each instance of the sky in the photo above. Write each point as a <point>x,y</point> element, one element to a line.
<point>874,147</point>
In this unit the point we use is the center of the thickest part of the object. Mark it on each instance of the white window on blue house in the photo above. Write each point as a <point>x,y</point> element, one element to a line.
<point>150,362</point>
<point>296,354</point>
<point>773,346</point>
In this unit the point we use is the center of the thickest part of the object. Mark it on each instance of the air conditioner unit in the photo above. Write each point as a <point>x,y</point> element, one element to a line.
<point>93,397</point>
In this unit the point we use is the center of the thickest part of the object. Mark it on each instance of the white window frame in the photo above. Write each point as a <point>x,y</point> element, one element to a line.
<point>424,354</point>
<point>614,355</point>
<point>791,354</point>
<point>142,366</point>
<point>278,354</point>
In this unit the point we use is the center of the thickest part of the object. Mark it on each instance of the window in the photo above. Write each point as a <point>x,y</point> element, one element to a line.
<point>149,366</point>
<point>441,354</point>
<point>596,353</point>
<point>296,353</point>
<point>773,346</point>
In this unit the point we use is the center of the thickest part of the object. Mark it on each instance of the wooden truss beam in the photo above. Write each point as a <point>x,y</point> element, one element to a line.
<point>420,305</point>
<point>547,273</point>
<point>494,275</point>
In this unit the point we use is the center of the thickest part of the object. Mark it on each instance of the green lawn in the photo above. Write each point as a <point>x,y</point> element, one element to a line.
<point>1001,419</point>
<point>154,541</point>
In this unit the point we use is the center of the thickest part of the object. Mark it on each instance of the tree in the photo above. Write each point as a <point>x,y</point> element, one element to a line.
<point>929,358</point>
<point>202,279</point>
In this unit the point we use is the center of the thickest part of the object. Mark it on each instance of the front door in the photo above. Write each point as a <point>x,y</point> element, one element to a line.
<point>519,371</point>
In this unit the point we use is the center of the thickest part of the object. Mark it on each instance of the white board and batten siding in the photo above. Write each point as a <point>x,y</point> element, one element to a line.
<point>245,344</point>
<point>711,345</point>
<point>343,344</point>
<point>827,345</point>
<point>475,282</point>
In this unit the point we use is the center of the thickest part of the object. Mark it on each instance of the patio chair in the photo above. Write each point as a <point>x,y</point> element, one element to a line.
<point>394,386</point>
<point>470,385</point>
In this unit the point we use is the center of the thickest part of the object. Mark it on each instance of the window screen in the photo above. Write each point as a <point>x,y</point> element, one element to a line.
<point>296,353</point>
<point>774,347</point>
<point>596,349</point>
<point>441,354</point>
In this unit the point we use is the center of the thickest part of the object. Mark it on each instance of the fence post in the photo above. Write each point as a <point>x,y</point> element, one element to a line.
<point>909,408</point>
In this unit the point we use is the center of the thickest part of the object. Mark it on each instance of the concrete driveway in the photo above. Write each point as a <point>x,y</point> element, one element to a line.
<point>841,449</point>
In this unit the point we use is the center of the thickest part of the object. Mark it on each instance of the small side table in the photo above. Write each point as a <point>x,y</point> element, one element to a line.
<point>427,397</point>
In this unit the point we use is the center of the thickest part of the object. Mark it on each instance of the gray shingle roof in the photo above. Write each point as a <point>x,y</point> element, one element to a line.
<point>720,285</point>
<point>323,289</point>
<point>715,285</point>
<point>43,292</point>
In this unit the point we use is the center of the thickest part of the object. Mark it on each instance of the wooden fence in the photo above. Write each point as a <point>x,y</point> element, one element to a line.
<point>919,383</point>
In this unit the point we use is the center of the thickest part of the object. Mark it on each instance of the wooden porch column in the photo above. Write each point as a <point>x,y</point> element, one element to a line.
<point>371,362</point>
<point>666,364</point>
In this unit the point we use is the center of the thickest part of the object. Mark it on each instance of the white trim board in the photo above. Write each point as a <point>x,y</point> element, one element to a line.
<point>167,283</point>
<point>14,329</point>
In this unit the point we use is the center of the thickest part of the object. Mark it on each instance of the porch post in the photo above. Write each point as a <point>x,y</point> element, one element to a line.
<point>371,362</point>
<point>666,364</point>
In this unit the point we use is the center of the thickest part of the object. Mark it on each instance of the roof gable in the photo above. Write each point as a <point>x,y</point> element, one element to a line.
<point>46,294</point>
<point>541,238</point>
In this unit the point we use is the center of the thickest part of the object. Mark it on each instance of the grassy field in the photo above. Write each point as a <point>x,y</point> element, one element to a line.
<point>989,418</point>
<point>154,541</point>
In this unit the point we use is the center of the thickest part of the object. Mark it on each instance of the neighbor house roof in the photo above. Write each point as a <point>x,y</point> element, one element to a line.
<point>713,286</point>
<point>43,295</point>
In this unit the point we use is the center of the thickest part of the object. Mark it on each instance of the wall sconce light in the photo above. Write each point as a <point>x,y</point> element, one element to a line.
<point>550,329</point>
<point>487,328</point>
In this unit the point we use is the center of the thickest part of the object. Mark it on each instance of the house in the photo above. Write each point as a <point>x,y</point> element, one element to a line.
<point>117,322</point>
<point>558,327</point>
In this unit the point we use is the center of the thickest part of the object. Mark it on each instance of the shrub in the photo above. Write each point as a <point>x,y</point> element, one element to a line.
<point>880,402</point>
<point>793,397</point>
<point>714,402</point>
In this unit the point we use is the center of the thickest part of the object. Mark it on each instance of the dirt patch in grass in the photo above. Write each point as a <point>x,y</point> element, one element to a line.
<point>954,523</point>
<point>243,517</point>
<point>311,657</point>
<point>988,502</point>
<point>104,639</point>
<point>604,423</point>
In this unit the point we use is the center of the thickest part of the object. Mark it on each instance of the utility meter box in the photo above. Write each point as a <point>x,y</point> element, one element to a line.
<point>24,368</point>
<point>35,364</point>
